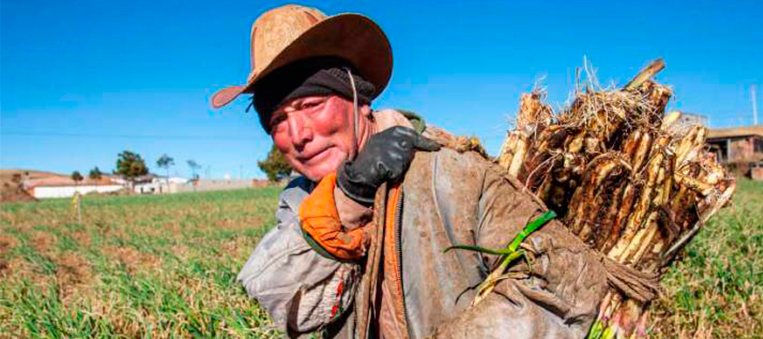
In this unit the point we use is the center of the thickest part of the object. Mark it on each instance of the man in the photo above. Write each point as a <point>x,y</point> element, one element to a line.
<point>358,248</point>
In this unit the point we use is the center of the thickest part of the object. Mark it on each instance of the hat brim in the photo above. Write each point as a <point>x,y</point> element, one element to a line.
<point>352,37</point>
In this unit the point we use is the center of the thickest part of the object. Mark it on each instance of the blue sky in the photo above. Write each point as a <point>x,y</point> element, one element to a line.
<point>82,81</point>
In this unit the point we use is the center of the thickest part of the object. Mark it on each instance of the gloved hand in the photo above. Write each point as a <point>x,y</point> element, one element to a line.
<point>385,157</point>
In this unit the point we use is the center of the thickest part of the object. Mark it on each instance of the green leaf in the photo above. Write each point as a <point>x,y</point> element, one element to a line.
<point>478,249</point>
<point>531,227</point>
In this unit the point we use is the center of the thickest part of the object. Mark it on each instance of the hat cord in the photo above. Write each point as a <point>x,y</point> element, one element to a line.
<point>355,131</point>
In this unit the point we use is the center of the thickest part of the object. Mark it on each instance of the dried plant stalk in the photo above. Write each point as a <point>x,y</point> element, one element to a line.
<point>623,178</point>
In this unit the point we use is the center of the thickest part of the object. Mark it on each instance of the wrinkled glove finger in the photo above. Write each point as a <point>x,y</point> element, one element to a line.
<point>425,144</point>
<point>385,170</point>
<point>399,131</point>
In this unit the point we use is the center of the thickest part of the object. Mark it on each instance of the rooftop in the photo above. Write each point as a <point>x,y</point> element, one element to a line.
<point>56,180</point>
<point>735,132</point>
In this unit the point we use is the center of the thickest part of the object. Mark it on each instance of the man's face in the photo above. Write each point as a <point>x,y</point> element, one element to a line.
<point>314,133</point>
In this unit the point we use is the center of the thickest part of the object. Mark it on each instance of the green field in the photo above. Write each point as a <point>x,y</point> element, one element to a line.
<point>165,266</point>
<point>137,266</point>
<point>717,290</point>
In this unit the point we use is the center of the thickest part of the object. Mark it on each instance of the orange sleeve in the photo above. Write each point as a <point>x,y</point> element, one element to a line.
<point>320,221</point>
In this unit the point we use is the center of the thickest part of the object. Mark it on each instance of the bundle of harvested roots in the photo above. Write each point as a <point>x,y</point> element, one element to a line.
<point>621,177</point>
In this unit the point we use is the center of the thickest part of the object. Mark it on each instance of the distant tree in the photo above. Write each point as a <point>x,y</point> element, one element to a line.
<point>77,177</point>
<point>95,174</point>
<point>130,166</point>
<point>165,161</point>
<point>275,166</point>
<point>194,167</point>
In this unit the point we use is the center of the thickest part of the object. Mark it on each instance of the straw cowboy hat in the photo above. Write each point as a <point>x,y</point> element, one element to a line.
<point>291,33</point>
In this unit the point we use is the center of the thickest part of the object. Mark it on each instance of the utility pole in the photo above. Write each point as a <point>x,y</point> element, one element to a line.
<point>754,89</point>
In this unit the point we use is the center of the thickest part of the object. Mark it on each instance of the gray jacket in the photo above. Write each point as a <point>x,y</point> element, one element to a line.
<point>296,285</point>
<point>448,198</point>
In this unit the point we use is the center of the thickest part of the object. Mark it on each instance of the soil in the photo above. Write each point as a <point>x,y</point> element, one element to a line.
<point>9,193</point>
<point>11,189</point>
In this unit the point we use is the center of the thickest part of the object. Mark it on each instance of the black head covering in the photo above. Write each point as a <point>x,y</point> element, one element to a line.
<point>324,76</point>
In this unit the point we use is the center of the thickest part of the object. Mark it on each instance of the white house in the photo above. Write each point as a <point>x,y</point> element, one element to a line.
<point>63,187</point>
<point>154,184</point>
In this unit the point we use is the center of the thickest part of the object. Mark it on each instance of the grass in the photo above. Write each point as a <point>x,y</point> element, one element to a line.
<point>137,266</point>
<point>716,291</point>
<point>165,266</point>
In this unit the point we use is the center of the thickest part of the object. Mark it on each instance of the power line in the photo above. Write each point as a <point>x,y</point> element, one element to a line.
<point>129,136</point>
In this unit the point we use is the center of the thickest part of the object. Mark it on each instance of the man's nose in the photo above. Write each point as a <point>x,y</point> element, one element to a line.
<point>300,130</point>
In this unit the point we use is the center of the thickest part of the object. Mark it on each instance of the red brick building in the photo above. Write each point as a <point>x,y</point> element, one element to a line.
<point>739,148</point>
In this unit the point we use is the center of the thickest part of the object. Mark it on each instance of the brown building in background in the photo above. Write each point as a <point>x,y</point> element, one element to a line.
<point>741,149</point>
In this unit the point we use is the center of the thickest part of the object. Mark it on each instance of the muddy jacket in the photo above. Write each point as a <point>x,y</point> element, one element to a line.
<point>446,198</point>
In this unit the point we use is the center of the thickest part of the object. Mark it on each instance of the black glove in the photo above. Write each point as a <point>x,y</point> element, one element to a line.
<point>385,157</point>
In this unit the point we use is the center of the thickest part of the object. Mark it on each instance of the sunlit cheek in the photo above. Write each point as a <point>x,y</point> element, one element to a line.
<point>281,140</point>
<point>328,122</point>
<point>335,123</point>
